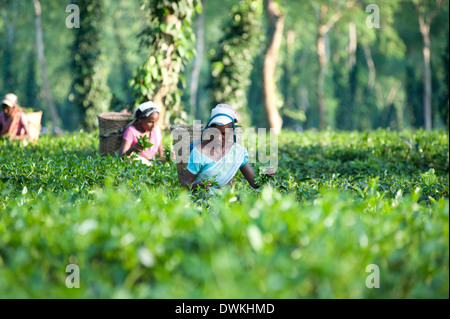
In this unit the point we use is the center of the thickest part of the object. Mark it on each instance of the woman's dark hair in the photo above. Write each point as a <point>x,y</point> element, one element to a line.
<point>146,113</point>
<point>229,125</point>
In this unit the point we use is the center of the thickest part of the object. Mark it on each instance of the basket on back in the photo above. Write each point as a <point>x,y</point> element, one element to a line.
<point>182,136</point>
<point>34,125</point>
<point>111,126</point>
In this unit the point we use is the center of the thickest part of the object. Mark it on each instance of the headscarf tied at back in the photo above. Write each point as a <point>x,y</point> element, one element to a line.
<point>145,110</point>
<point>223,109</point>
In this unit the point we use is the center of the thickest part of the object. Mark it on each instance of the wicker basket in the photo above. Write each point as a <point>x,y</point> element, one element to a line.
<point>34,125</point>
<point>111,126</point>
<point>181,143</point>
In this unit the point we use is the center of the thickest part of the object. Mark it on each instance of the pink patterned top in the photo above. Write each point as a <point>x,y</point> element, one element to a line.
<point>6,123</point>
<point>132,135</point>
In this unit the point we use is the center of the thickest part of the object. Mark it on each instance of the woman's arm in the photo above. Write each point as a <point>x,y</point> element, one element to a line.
<point>249,174</point>
<point>188,182</point>
<point>126,149</point>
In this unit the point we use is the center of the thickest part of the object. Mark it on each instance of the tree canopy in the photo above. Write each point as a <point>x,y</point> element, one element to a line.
<point>336,68</point>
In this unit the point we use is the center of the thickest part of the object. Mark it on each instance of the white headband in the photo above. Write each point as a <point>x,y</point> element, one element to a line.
<point>146,109</point>
<point>224,109</point>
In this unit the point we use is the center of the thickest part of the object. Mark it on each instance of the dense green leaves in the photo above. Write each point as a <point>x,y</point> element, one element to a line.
<point>270,247</point>
<point>144,141</point>
<point>339,202</point>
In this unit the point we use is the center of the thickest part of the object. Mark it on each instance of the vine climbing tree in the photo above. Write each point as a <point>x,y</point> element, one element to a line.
<point>90,92</point>
<point>232,63</point>
<point>170,41</point>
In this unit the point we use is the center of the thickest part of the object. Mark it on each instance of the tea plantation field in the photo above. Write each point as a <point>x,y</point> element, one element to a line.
<point>348,215</point>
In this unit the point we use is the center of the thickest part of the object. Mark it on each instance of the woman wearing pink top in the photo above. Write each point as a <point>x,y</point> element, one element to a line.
<point>13,122</point>
<point>145,124</point>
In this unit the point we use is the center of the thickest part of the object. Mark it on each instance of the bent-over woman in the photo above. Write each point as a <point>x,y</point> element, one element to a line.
<point>13,122</point>
<point>219,157</point>
<point>145,125</point>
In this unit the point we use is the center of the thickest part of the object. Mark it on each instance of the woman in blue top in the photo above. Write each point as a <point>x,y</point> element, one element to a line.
<point>219,157</point>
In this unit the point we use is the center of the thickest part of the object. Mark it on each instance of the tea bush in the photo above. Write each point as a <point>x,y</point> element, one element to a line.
<point>339,203</point>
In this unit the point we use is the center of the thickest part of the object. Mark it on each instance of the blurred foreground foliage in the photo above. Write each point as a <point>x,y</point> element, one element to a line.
<point>339,202</point>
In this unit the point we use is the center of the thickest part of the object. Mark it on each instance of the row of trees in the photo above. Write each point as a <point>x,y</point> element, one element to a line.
<point>352,46</point>
<point>354,40</point>
<point>343,64</point>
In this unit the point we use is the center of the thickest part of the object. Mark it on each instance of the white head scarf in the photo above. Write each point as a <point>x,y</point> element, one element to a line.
<point>10,100</point>
<point>146,109</point>
<point>224,120</point>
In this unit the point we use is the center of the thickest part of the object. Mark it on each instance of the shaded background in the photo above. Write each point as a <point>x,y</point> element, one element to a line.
<point>371,77</point>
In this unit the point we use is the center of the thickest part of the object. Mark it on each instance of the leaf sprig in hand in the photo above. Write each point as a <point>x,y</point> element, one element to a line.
<point>143,140</point>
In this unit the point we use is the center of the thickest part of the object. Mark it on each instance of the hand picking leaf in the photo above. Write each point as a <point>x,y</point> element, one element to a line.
<point>143,140</point>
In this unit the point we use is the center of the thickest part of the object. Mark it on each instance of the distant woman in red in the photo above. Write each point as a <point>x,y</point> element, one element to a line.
<point>13,122</point>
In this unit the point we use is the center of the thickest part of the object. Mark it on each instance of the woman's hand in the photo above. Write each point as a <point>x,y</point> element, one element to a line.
<point>126,149</point>
<point>249,174</point>
<point>135,148</point>
<point>160,160</point>
<point>188,182</point>
<point>203,185</point>
<point>269,171</point>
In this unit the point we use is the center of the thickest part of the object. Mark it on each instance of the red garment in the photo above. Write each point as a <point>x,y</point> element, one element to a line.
<point>15,124</point>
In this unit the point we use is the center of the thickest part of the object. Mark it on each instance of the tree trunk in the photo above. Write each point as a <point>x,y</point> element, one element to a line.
<point>125,71</point>
<point>323,29</point>
<point>9,80</point>
<point>288,66</point>
<point>159,100</point>
<point>41,58</point>
<point>321,80</point>
<point>425,31</point>
<point>393,110</point>
<point>353,74</point>
<point>11,24</point>
<point>276,20</point>
<point>371,66</point>
<point>195,76</point>
<point>353,44</point>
